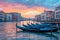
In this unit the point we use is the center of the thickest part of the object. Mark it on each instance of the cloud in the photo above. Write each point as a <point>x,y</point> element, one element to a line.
<point>46,3</point>
<point>1,9</point>
<point>21,8</point>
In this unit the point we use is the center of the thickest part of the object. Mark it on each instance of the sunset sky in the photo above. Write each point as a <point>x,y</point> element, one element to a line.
<point>28,8</point>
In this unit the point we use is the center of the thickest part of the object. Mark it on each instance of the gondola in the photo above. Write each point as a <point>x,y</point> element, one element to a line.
<point>25,25</point>
<point>40,29</point>
<point>33,26</point>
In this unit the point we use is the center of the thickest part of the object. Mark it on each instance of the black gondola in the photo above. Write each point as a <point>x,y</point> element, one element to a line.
<point>45,29</point>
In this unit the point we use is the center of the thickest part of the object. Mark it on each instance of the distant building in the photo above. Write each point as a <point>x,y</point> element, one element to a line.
<point>17,17</point>
<point>50,15</point>
<point>47,16</point>
<point>57,8</point>
<point>13,17</point>
<point>38,17</point>
<point>2,17</point>
<point>43,16</point>
<point>57,13</point>
<point>8,17</point>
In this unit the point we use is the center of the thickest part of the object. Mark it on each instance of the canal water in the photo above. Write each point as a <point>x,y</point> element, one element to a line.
<point>8,31</point>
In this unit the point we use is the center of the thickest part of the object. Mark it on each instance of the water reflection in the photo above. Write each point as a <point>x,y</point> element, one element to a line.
<point>8,32</point>
<point>2,32</point>
<point>35,36</point>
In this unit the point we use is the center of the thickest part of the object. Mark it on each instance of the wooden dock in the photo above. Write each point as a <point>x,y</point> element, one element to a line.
<point>53,21</point>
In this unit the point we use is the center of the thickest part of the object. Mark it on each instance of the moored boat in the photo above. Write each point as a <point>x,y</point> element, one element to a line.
<point>40,29</point>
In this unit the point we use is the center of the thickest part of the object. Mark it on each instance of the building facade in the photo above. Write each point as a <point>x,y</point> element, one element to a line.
<point>2,16</point>
<point>10,17</point>
<point>38,17</point>
<point>44,16</point>
<point>50,15</point>
<point>47,16</point>
<point>13,17</point>
<point>57,13</point>
<point>17,17</point>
